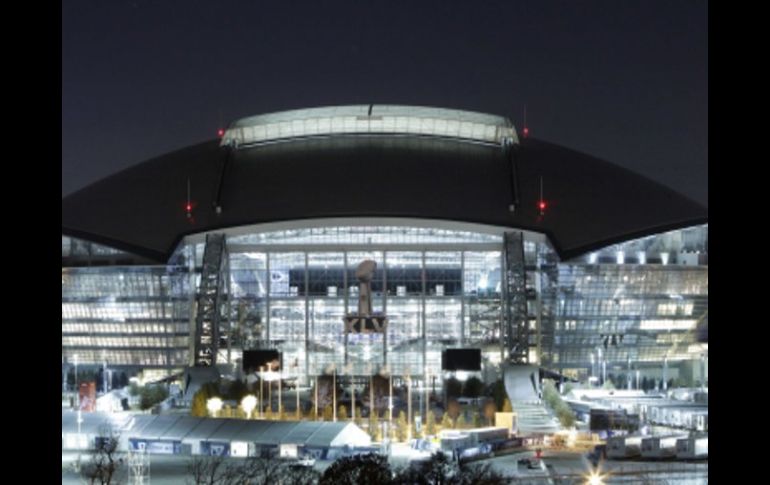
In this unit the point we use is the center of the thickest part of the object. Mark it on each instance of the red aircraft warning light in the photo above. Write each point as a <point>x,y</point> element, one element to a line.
<point>526,132</point>
<point>188,207</point>
<point>541,202</point>
<point>220,133</point>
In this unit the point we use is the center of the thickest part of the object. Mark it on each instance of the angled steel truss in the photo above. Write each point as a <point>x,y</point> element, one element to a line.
<point>214,276</point>
<point>515,331</point>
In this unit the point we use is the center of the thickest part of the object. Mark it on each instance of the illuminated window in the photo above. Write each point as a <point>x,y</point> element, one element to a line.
<point>374,119</point>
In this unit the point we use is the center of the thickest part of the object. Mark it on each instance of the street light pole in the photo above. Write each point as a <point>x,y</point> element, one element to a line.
<point>409,406</point>
<point>296,386</point>
<point>427,401</point>
<point>353,399</point>
<point>77,390</point>
<point>371,393</point>
<point>390,399</point>
<point>261,384</point>
<point>104,372</point>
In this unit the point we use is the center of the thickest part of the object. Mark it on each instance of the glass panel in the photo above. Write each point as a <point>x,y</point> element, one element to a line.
<point>404,274</point>
<point>348,235</point>
<point>371,119</point>
<point>482,289</point>
<point>287,274</point>
<point>136,315</point>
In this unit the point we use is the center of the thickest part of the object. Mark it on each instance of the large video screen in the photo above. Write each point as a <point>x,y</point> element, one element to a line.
<point>461,359</point>
<point>254,359</point>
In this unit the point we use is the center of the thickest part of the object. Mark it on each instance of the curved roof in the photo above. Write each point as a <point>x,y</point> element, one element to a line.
<point>591,203</point>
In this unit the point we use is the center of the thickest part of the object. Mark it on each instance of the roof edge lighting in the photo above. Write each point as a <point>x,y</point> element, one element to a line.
<point>372,119</point>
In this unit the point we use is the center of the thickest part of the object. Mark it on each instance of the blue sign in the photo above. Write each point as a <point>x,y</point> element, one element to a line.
<point>215,448</point>
<point>155,447</point>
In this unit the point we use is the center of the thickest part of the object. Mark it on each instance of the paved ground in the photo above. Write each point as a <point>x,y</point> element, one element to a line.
<point>568,467</point>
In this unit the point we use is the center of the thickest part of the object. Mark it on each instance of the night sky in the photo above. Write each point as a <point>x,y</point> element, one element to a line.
<point>626,81</point>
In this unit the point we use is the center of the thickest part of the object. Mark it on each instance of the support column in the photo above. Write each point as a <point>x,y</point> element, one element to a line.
<point>267,300</point>
<point>345,282</point>
<point>307,316</point>
<point>385,304</point>
<point>462,298</point>
<point>229,322</point>
<point>423,318</point>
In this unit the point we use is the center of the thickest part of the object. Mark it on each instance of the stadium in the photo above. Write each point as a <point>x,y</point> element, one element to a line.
<point>482,238</point>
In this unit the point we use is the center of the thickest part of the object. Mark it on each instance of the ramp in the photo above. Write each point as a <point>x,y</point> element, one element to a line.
<point>522,384</point>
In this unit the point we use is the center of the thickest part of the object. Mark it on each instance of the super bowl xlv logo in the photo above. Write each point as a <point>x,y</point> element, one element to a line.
<point>370,324</point>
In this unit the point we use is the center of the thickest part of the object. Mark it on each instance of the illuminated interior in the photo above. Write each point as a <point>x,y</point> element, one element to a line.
<point>290,288</point>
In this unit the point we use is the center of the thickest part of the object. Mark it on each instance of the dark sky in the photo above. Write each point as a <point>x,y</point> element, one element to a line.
<point>626,81</point>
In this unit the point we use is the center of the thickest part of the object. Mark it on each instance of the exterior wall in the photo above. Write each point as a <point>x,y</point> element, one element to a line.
<point>127,316</point>
<point>290,288</point>
<point>290,291</point>
<point>632,306</point>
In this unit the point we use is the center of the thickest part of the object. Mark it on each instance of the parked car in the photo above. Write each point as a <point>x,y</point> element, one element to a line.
<point>303,462</point>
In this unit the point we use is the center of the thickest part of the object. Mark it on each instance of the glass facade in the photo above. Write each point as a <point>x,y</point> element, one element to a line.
<point>631,305</point>
<point>420,283</point>
<point>136,316</point>
<point>71,246</point>
<point>290,290</point>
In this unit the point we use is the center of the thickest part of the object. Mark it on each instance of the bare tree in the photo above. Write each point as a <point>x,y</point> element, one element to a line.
<point>262,471</point>
<point>208,470</point>
<point>300,475</point>
<point>105,460</point>
<point>480,474</point>
<point>370,469</point>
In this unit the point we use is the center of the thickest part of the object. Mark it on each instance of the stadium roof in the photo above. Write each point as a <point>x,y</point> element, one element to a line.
<point>371,119</point>
<point>405,172</point>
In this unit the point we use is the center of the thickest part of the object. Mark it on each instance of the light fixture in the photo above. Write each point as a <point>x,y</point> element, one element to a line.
<point>214,405</point>
<point>248,403</point>
<point>594,478</point>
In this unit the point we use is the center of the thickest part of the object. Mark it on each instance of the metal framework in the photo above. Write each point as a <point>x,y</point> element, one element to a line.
<point>515,332</point>
<point>214,276</point>
<point>547,276</point>
<point>138,467</point>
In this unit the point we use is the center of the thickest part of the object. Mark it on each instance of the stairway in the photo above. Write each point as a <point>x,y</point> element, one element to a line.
<point>534,417</point>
